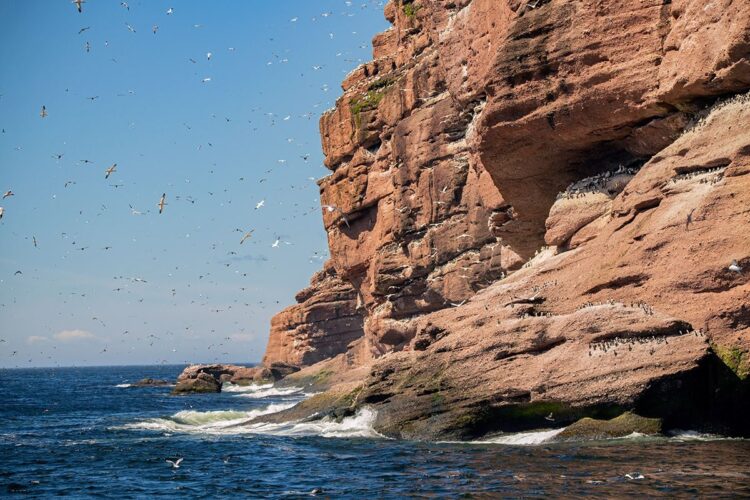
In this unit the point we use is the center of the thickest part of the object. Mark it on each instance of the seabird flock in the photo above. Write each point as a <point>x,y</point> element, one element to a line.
<point>172,205</point>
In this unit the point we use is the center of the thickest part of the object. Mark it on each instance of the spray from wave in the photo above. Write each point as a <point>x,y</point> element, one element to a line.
<point>523,438</point>
<point>208,422</point>
<point>237,422</point>
<point>262,391</point>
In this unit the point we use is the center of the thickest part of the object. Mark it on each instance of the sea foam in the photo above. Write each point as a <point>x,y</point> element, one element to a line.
<point>237,422</point>
<point>523,438</point>
<point>208,422</point>
<point>262,391</point>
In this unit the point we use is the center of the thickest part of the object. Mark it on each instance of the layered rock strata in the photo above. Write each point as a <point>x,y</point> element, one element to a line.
<point>536,205</point>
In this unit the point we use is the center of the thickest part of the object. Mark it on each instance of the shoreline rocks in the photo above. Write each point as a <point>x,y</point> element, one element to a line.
<point>209,378</point>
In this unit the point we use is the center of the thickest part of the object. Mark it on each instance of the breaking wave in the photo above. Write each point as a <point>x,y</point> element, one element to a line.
<point>237,422</point>
<point>523,438</point>
<point>209,422</point>
<point>358,425</point>
<point>262,391</point>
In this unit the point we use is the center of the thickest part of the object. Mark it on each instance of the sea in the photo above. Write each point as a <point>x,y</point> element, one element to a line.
<point>86,433</point>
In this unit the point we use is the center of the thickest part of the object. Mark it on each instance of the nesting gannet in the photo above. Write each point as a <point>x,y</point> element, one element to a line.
<point>734,267</point>
<point>332,208</point>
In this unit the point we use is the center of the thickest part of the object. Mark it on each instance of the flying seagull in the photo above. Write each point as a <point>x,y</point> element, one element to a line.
<point>110,170</point>
<point>246,236</point>
<point>8,193</point>
<point>260,204</point>
<point>175,463</point>
<point>734,267</point>
<point>2,211</point>
<point>43,112</point>
<point>162,202</point>
<point>79,4</point>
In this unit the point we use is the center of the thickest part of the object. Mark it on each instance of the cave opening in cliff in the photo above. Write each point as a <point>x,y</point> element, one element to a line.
<point>532,184</point>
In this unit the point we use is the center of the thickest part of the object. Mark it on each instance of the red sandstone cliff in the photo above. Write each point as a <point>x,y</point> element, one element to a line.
<point>485,130</point>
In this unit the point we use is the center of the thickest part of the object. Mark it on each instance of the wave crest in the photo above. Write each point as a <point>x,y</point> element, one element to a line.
<point>262,391</point>
<point>237,422</point>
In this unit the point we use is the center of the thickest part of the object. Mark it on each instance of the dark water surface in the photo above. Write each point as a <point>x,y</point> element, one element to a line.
<point>72,431</point>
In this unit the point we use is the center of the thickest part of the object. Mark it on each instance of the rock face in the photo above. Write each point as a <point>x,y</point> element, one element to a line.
<point>484,131</point>
<point>323,323</point>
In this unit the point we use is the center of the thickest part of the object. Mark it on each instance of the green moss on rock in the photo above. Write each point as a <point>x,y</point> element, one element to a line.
<point>624,425</point>
<point>735,359</point>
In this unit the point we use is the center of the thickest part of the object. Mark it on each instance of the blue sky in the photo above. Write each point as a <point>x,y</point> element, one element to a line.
<point>110,281</point>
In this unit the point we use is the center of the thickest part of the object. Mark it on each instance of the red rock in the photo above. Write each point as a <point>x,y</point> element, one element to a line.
<point>448,153</point>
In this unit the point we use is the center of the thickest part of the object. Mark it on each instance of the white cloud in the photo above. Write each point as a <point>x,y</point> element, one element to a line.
<point>34,339</point>
<point>73,335</point>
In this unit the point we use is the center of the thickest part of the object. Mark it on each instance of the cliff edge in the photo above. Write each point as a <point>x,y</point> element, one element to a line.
<point>532,213</point>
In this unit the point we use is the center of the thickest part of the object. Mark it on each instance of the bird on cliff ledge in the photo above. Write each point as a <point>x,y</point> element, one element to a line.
<point>734,267</point>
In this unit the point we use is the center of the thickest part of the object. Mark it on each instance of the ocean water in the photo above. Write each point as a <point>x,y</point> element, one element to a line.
<point>81,432</point>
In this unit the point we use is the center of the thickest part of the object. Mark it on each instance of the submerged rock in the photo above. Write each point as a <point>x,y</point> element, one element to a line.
<point>151,382</point>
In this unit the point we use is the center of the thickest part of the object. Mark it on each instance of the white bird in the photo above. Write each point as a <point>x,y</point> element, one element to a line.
<point>260,204</point>
<point>734,267</point>
<point>635,475</point>
<point>43,112</point>
<point>130,28</point>
<point>8,193</point>
<point>332,208</point>
<point>155,28</point>
<point>170,11</point>
<point>133,211</point>
<point>550,418</point>
<point>175,463</point>
<point>208,55</point>
<point>110,170</point>
<point>162,202</point>
<point>79,4</point>
<point>2,211</point>
<point>276,243</point>
<point>206,80</point>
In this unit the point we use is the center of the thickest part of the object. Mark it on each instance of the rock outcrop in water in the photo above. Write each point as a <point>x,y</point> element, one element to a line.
<point>536,205</point>
<point>209,378</point>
